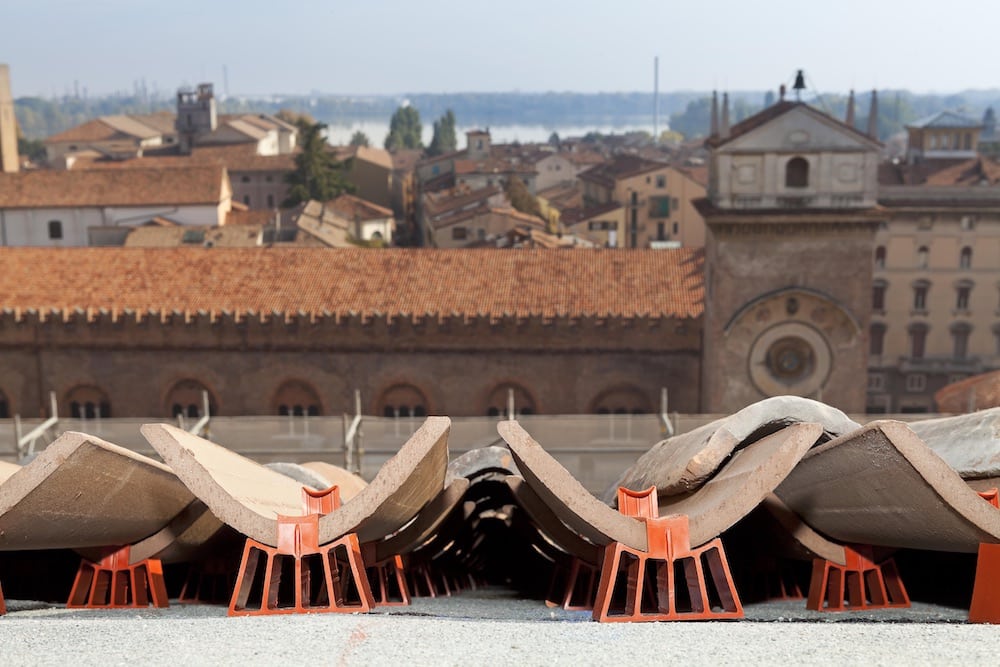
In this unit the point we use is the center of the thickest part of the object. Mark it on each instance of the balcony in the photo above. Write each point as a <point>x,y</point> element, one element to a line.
<point>940,364</point>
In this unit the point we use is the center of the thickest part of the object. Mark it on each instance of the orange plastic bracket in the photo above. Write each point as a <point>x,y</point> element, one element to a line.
<point>393,590</point>
<point>425,578</point>
<point>668,559</point>
<point>114,583</point>
<point>327,578</point>
<point>208,582</point>
<point>859,584</point>
<point>985,607</point>
<point>578,587</point>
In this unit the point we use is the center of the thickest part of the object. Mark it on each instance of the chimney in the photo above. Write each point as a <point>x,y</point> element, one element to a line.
<point>873,117</point>
<point>850,109</point>
<point>715,115</point>
<point>9,160</point>
<point>724,125</point>
<point>781,92</point>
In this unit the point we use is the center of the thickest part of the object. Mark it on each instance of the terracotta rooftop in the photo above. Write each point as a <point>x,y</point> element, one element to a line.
<point>405,159</point>
<point>618,167</point>
<point>357,209</point>
<point>977,171</point>
<point>370,283</point>
<point>109,187</point>
<point>93,130</point>
<point>437,203</point>
<point>492,166</point>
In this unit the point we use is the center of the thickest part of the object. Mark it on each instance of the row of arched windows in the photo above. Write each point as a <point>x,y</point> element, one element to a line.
<point>923,257</point>
<point>921,289</point>
<point>917,339</point>
<point>296,398</point>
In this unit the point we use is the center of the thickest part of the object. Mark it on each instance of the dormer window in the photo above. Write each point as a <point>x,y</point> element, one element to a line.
<point>55,230</point>
<point>797,173</point>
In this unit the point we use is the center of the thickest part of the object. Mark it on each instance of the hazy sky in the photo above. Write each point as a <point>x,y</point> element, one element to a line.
<point>398,46</point>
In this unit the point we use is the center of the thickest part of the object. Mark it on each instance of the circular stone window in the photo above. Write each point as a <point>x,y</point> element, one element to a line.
<point>790,358</point>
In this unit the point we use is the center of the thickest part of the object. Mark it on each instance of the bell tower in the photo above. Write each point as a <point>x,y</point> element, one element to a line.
<point>791,213</point>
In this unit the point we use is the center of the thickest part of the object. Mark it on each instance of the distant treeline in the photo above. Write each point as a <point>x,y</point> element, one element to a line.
<point>687,112</point>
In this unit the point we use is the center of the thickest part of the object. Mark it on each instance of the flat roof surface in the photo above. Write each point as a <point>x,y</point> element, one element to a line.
<point>488,626</point>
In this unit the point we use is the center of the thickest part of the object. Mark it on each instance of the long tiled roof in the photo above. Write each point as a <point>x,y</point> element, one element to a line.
<point>112,187</point>
<point>370,283</point>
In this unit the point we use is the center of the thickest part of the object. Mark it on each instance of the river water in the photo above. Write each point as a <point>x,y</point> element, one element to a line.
<point>340,133</point>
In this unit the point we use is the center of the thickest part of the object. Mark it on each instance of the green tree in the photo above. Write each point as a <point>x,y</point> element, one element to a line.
<point>520,198</point>
<point>359,138</point>
<point>294,117</point>
<point>444,140</point>
<point>405,129</point>
<point>695,120</point>
<point>317,174</point>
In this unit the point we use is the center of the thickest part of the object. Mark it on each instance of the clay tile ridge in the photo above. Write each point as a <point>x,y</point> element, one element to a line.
<point>463,283</point>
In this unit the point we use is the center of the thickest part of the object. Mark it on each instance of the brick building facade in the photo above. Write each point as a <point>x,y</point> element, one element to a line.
<point>138,332</point>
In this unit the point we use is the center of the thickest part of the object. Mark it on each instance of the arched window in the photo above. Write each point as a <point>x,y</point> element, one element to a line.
<point>880,257</point>
<point>797,173</point>
<point>402,400</point>
<point>877,338</point>
<point>4,406</point>
<point>55,230</point>
<point>186,398</point>
<point>965,258</point>
<point>879,288</point>
<point>297,399</point>
<point>918,339</point>
<point>923,257</point>
<point>621,401</point>
<point>87,402</point>
<point>496,404</point>
<point>920,289</point>
<point>960,339</point>
<point>963,292</point>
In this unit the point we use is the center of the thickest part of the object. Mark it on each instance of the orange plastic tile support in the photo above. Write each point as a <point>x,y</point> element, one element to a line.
<point>113,583</point>
<point>393,590</point>
<point>422,582</point>
<point>327,578</point>
<point>860,584</point>
<point>985,607</point>
<point>209,582</point>
<point>646,585</point>
<point>992,496</point>
<point>579,586</point>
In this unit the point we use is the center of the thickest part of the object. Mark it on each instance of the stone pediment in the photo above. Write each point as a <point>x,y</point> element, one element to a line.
<point>799,128</point>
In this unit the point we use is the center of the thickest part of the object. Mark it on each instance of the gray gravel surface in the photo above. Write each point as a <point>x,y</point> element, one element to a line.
<point>487,628</point>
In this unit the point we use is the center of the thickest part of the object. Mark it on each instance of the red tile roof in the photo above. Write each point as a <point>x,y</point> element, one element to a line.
<point>370,283</point>
<point>357,209</point>
<point>977,171</point>
<point>618,167</point>
<point>112,187</point>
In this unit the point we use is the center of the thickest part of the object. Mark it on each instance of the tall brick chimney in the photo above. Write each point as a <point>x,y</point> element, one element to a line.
<point>9,161</point>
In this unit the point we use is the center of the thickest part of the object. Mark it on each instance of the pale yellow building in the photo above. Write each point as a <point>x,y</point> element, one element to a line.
<point>657,199</point>
<point>936,286</point>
